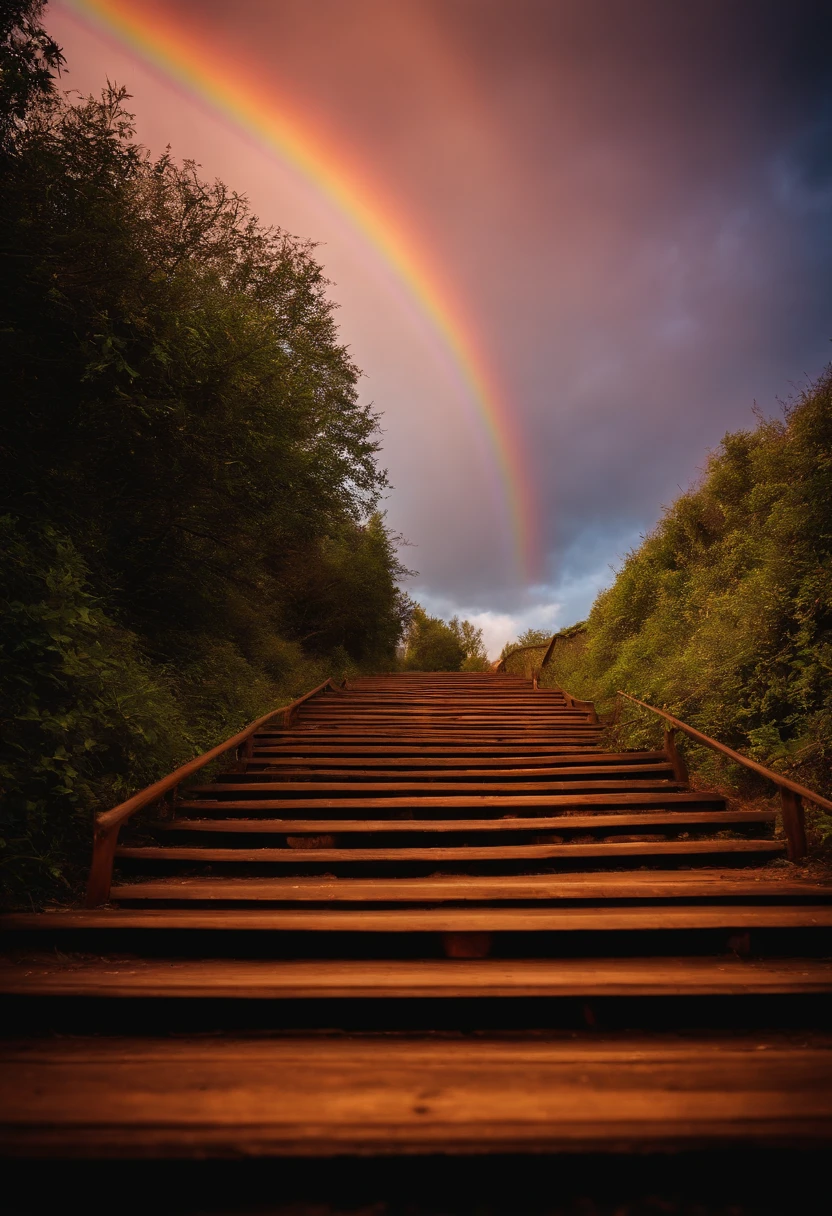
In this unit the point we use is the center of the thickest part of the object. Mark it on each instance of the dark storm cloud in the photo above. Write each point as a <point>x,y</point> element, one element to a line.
<point>675,256</point>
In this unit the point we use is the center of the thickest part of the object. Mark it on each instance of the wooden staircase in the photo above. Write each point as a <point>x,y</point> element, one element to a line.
<point>514,939</point>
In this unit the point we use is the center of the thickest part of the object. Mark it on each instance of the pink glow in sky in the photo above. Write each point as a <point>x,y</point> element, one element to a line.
<point>628,204</point>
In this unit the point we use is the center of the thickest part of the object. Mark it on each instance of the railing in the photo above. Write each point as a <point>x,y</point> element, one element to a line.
<point>108,824</point>
<point>792,794</point>
<point>500,664</point>
<point>572,702</point>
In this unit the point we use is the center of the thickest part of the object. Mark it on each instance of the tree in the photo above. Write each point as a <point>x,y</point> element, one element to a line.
<point>176,370</point>
<point>345,594</point>
<point>28,60</point>
<point>534,637</point>
<point>432,644</point>
<point>470,638</point>
<point>531,637</point>
<point>188,505</point>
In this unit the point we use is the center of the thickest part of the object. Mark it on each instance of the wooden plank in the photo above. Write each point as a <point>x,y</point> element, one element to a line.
<point>572,886</point>
<point>676,820</point>
<point>588,786</point>
<point>245,979</point>
<point>503,802</point>
<point>720,917</point>
<point>134,1098</point>
<point>440,710</point>
<point>438,738</point>
<point>587,761</point>
<point>541,733</point>
<point>517,751</point>
<point>381,773</point>
<point>460,853</point>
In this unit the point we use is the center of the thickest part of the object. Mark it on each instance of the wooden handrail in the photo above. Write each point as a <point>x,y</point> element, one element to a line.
<point>547,656</point>
<point>499,664</point>
<point>792,793</point>
<point>107,824</point>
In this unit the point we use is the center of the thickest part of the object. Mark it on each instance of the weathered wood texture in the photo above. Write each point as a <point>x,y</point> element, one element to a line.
<point>352,841</point>
<point>245,979</point>
<point>132,1098</point>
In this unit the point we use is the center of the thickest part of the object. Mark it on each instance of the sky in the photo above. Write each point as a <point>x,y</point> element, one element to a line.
<point>572,242</point>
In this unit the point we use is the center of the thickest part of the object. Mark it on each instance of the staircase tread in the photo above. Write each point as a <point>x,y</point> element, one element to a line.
<point>519,852</point>
<point>644,819</point>
<point>305,1096</point>
<point>412,748</point>
<point>616,798</point>
<point>315,978</point>
<point>355,775</point>
<point>430,788</point>
<point>438,920</point>
<point>680,884</point>
<point>589,759</point>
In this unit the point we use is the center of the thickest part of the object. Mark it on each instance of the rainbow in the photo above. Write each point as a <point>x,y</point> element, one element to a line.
<point>211,77</point>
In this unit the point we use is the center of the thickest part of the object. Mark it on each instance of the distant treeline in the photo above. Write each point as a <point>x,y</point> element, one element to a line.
<point>431,644</point>
<point>189,515</point>
<point>724,614</point>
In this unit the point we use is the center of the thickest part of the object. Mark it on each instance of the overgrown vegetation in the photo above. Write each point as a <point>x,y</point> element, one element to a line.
<point>537,638</point>
<point>190,489</point>
<point>724,614</point>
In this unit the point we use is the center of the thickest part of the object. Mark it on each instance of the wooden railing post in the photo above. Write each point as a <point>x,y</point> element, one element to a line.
<point>792,795</point>
<point>105,833</point>
<point>794,823</point>
<point>680,769</point>
<point>104,843</point>
<point>549,650</point>
<point>167,805</point>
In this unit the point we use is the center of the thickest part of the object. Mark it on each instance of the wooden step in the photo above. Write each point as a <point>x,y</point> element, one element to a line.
<point>428,742</point>
<point>609,850</point>
<point>429,728</point>
<point>518,752</point>
<point>727,917</point>
<point>589,786</point>
<point>675,820</point>
<point>290,770</point>
<point>244,979</point>
<point>126,1098</point>
<point>503,802</point>
<point>603,887</point>
<point>586,761</point>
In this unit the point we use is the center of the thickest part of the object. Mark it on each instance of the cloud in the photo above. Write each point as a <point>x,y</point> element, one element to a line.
<point>497,627</point>
<point>630,204</point>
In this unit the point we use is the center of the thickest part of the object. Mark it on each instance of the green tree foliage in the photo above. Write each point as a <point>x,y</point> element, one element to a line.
<point>190,482</point>
<point>28,60</point>
<point>432,644</point>
<point>182,401</point>
<point>531,637</point>
<point>85,714</point>
<point>724,613</point>
<point>534,637</point>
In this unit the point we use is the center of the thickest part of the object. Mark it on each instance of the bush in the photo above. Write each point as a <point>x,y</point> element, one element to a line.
<point>190,481</point>
<point>85,716</point>
<point>432,644</point>
<point>724,614</point>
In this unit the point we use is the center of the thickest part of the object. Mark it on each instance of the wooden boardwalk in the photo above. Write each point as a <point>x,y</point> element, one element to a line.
<point>427,913</point>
